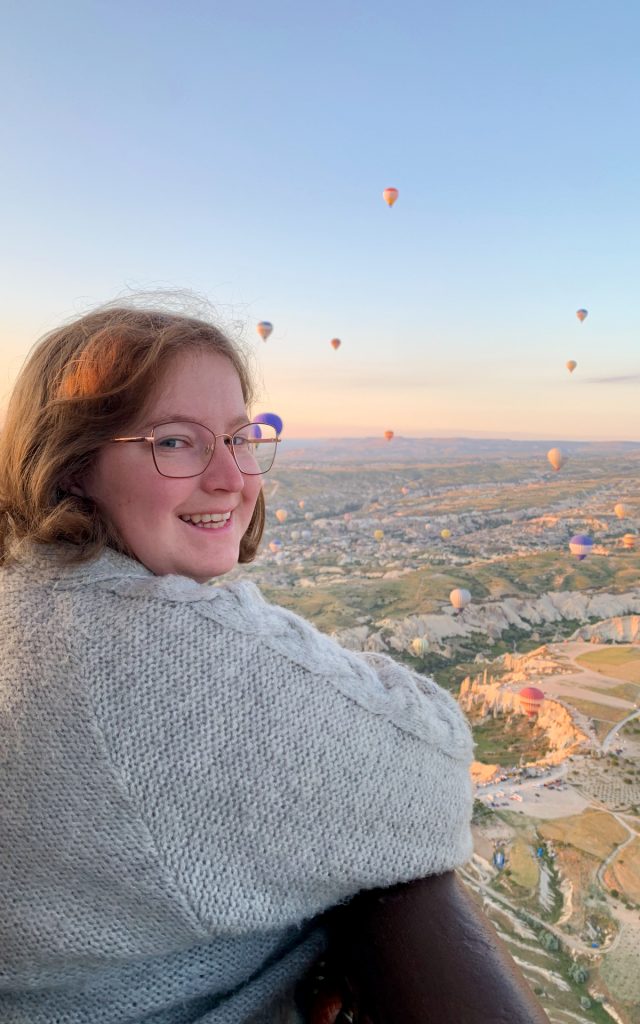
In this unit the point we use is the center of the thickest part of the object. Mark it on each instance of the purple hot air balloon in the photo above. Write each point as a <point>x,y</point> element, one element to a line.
<point>581,545</point>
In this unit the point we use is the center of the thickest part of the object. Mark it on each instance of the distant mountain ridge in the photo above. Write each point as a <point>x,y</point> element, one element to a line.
<point>404,450</point>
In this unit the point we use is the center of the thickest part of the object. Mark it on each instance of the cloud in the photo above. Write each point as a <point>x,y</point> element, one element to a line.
<point>627,378</point>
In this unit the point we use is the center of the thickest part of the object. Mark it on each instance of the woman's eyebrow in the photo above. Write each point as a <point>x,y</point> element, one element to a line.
<point>183,417</point>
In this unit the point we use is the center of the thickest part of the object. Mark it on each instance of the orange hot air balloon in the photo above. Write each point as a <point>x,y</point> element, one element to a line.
<point>530,700</point>
<point>388,435</point>
<point>621,510</point>
<point>264,329</point>
<point>445,534</point>
<point>378,535</point>
<point>629,541</point>
<point>390,195</point>
<point>582,314</point>
<point>301,503</point>
<point>335,344</point>
<point>571,365</point>
<point>556,458</point>
<point>281,515</point>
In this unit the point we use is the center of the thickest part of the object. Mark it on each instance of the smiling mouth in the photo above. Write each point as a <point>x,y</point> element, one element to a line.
<point>207,520</point>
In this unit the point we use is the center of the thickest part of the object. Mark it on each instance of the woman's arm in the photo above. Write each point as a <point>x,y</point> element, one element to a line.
<point>423,952</point>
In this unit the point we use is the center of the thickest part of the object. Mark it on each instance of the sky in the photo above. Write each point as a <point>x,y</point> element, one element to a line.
<point>238,153</point>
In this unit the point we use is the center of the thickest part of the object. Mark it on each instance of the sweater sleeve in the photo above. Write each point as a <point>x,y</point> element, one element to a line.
<point>277,773</point>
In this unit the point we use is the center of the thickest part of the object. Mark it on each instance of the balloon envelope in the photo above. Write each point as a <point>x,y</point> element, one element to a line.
<point>580,545</point>
<point>556,458</point>
<point>629,541</point>
<point>530,700</point>
<point>264,329</point>
<point>378,534</point>
<point>390,195</point>
<point>270,417</point>
<point>621,510</point>
<point>445,534</point>
<point>419,646</point>
<point>336,343</point>
<point>301,503</point>
<point>582,314</point>
<point>388,434</point>
<point>571,365</point>
<point>281,515</point>
<point>275,546</point>
<point>459,598</point>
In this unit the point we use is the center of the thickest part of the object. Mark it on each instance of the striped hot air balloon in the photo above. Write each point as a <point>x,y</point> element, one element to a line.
<point>530,700</point>
<point>264,329</point>
<point>581,545</point>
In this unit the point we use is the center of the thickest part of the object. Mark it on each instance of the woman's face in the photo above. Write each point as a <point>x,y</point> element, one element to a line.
<point>147,508</point>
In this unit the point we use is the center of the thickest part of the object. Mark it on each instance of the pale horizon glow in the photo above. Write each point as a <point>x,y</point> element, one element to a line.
<point>241,153</point>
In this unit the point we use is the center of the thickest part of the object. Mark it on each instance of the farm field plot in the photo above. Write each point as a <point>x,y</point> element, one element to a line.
<point>621,662</point>
<point>606,784</point>
<point>594,832</point>
<point>623,873</point>
<point>620,971</point>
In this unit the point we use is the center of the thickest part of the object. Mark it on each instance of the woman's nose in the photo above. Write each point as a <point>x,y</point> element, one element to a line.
<point>222,473</point>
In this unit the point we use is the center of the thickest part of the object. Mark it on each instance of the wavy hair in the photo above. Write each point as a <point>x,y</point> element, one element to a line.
<point>80,386</point>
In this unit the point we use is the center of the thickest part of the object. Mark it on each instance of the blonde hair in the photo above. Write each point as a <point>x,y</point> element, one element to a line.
<point>82,385</point>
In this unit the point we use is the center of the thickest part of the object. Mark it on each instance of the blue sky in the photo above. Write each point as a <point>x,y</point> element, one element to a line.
<point>240,151</point>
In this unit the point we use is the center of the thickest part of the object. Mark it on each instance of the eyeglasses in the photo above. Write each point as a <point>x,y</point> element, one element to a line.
<point>186,449</point>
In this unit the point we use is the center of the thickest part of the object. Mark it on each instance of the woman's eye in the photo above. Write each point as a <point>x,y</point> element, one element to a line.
<point>171,442</point>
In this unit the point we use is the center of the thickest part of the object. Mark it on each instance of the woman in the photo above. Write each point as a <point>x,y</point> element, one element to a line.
<point>189,776</point>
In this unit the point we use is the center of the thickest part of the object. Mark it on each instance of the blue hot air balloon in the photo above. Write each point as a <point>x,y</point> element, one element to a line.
<point>581,545</point>
<point>498,859</point>
<point>269,417</point>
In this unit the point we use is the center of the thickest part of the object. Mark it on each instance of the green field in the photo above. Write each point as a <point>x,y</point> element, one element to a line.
<point>505,743</point>
<point>619,662</point>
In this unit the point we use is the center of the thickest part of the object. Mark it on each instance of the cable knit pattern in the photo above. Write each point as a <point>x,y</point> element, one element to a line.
<point>188,777</point>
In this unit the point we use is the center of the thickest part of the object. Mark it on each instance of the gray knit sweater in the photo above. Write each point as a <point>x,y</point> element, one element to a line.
<point>188,776</point>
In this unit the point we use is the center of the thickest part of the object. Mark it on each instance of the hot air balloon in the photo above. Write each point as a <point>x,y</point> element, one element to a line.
<point>556,458</point>
<point>459,598</point>
<point>301,503</point>
<point>308,515</point>
<point>347,517</point>
<point>582,314</point>
<point>445,534</point>
<point>271,418</point>
<point>378,535</point>
<point>404,490</point>
<point>580,545</point>
<point>275,546</point>
<point>629,541</point>
<point>530,700</point>
<point>281,514</point>
<point>388,435</point>
<point>419,646</point>
<point>390,195</point>
<point>264,329</point>
<point>498,859</point>
<point>621,510</point>
<point>571,365</point>
<point>335,343</point>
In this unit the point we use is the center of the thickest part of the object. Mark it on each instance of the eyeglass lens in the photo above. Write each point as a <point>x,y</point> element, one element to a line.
<point>185,449</point>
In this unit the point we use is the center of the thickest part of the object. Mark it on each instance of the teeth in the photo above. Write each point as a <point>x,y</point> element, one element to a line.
<point>206,517</point>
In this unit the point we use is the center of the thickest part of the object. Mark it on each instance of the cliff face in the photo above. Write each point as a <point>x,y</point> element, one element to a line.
<point>486,696</point>
<point>619,629</point>
<point>493,618</point>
